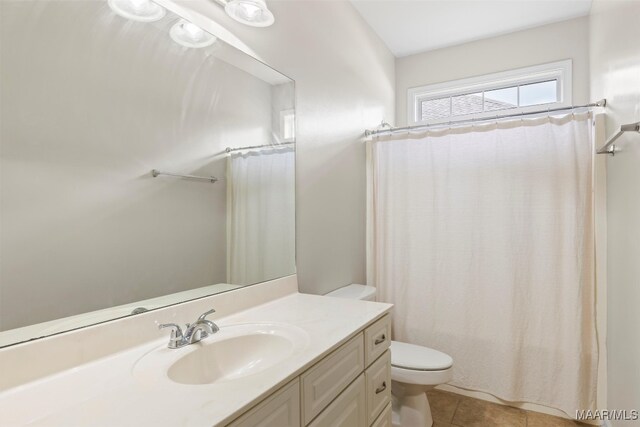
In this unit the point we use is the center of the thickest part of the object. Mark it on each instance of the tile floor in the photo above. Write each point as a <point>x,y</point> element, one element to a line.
<point>454,410</point>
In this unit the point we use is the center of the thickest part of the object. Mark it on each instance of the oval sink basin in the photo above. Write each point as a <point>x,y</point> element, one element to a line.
<point>235,352</point>
<point>230,358</point>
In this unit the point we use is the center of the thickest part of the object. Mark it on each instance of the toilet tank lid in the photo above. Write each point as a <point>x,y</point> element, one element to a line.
<point>353,291</point>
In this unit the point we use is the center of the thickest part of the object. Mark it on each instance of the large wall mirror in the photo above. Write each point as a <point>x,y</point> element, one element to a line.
<point>93,101</point>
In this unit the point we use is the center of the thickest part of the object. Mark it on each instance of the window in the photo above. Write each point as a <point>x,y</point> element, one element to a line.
<point>287,126</point>
<point>509,92</point>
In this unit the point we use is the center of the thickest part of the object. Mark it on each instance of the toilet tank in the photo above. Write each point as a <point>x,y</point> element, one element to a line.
<point>353,291</point>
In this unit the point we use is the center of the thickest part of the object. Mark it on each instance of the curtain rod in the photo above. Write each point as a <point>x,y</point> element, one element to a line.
<point>392,130</point>
<point>229,149</point>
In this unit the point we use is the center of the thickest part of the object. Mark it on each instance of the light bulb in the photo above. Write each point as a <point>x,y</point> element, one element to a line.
<point>139,5</point>
<point>188,34</point>
<point>250,12</point>
<point>195,32</point>
<point>138,10</point>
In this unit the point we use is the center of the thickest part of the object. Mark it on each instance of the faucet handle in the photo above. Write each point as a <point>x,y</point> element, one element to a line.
<point>176,340</point>
<point>176,331</point>
<point>205,314</point>
<point>202,319</point>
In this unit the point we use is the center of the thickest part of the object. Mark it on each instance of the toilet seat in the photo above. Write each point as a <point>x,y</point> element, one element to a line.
<point>418,358</point>
<point>418,365</point>
<point>421,378</point>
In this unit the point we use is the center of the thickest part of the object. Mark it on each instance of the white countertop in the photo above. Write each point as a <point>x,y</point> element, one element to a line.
<point>105,393</point>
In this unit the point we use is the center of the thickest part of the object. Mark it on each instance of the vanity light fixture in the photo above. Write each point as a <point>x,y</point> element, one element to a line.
<point>250,12</point>
<point>189,34</point>
<point>138,10</point>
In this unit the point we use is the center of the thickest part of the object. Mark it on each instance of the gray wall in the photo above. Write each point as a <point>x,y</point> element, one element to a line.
<point>344,84</point>
<point>615,75</point>
<point>549,43</point>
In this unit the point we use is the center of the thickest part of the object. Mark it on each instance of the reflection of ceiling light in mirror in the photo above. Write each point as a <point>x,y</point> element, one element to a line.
<point>190,35</point>
<point>250,12</point>
<point>138,10</point>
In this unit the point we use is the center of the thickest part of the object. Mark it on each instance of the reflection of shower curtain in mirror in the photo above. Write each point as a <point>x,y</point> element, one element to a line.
<point>483,239</point>
<point>260,215</point>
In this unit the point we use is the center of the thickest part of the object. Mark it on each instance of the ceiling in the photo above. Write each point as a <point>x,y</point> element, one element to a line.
<point>412,26</point>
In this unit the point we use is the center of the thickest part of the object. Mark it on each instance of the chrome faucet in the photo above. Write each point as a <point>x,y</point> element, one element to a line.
<point>193,332</point>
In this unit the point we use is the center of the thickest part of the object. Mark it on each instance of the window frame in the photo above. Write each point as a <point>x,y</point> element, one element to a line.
<point>561,71</point>
<point>284,114</point>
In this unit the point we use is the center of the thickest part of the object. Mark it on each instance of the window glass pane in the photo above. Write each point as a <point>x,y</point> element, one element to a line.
<point>466,104</point>
<point>288,126</point>
<point>436,108</point>
<point>527,88</point>
<point>501,99</point>
<point>539,93</point>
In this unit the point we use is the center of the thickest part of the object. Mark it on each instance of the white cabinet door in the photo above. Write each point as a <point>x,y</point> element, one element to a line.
<point>281,409</point>
<point>384,420</point>
<point>378,377</point>
<point>327,378</point>
<point>348,410</point>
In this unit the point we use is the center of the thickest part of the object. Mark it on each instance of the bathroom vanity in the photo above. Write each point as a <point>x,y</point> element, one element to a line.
<point>280,359</point>
<point>339,390</point>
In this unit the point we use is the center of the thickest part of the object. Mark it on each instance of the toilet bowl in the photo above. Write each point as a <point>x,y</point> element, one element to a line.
<point>414,370</point>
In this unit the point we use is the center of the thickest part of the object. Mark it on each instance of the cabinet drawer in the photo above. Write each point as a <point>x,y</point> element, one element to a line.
<point>377,339</point>
<point>325,380</point>
<point>348,410</point>
<point>378,378</point>
<point>282,409</point>
<point>384,420</point>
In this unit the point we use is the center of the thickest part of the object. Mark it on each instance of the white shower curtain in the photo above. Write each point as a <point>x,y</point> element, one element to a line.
<point>482,237</point>
<point>260,215</point>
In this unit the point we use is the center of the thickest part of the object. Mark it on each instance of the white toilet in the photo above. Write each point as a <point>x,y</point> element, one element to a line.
<point>414,370</point>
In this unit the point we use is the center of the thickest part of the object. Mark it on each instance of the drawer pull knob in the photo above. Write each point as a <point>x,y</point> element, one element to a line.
<point>382,388</point>
<point>380,340</point>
